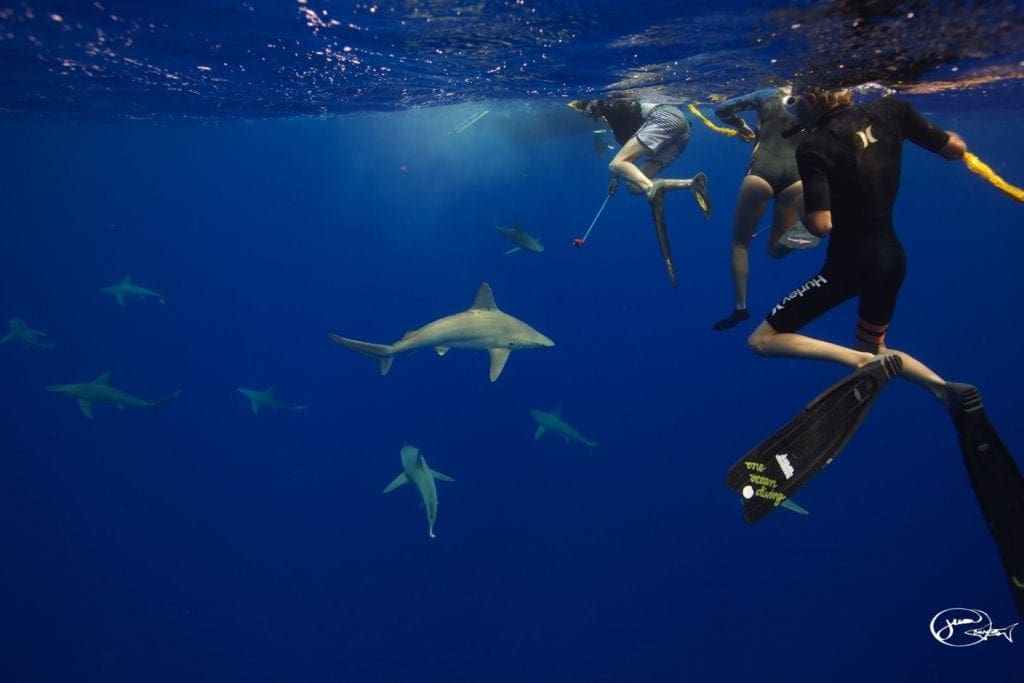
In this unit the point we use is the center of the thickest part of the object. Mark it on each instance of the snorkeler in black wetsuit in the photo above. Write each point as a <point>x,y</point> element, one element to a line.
<point>850,166</point>
<point>658,133</point>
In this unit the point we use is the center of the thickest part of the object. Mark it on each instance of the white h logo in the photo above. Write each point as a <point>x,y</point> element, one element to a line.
<point>866,136</point>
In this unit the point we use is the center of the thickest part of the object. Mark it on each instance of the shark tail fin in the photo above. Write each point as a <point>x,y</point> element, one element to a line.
<point>539,433</point>
<point>157,405</point>
<point>382,352</point>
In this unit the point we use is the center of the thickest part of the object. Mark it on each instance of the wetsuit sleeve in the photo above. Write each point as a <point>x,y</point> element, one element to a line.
<point>728,110</point>
<point>918,129</point>
<point>813,167</point>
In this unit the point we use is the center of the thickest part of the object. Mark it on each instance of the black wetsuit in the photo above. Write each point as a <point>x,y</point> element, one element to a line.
<point>850,165</point>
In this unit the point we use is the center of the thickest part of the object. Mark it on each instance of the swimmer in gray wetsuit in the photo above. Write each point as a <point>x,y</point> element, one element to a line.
<point>772,173</point>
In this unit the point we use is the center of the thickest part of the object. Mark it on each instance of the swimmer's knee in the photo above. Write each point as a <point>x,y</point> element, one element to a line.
<point>757,342</point>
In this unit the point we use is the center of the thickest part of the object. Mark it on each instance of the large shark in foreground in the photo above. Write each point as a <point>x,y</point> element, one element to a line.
<point>416,472</point>
<point>520,238</point>
<point>482,327</point>
<point>19,330</point>
<point>100,391</point>
<point>553,422</point>
<point>126,288</point>
<point>266,400</point>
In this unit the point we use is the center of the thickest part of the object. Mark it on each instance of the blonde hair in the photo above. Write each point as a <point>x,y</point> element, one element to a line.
<point>822,100</point>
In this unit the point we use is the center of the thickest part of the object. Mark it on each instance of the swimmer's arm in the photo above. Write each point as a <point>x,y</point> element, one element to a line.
<point>729,110</point>
<point>954,149</point>
<point>813,164</point>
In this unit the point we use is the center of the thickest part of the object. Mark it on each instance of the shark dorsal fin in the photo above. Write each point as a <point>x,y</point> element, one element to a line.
<point>126,281</point>
<point>103,379</point>
<point>557,411</point>
<point>484,299</point>
<point>269,391</point>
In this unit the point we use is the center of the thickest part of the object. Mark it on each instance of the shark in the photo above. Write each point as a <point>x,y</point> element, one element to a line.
<point>520,238</point>
<point>416,472</point>
<point>482,326</point>
<point>100,391</point>
<point>126,288</point>
<point>266,400</point>
<point>553,422</point>
<point>19,330</point>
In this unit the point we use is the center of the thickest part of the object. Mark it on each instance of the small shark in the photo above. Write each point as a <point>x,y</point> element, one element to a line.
<point>100,391</point>
<point>266,400</point>
<point>22,331</point>
<point>482,327</point>
<point>554,423</point>
<point>415,470</point>
<point>126,288</point>
<point>519,237</point>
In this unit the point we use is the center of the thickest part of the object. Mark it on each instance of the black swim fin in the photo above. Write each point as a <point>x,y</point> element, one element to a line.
<point>996,480</point>
<point>657,202</point>
<point>781,464</point>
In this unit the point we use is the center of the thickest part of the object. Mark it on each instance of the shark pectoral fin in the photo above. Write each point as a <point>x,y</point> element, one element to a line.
<point>121,406</point>
<point>441,350</point>
<point>7,337</point>
<point>385,364</point>
<point>793,507</point>
<point>126,281</point>
<point>498,359</point>
<point>85,406</point>
<point>298,409</point>
<point>439,476</point>
<point>255,407</point>
<point>398,481</point>
<point>512,250</point>
<point>120,299</point>
<point>103,379</point>
<point>539,433</point>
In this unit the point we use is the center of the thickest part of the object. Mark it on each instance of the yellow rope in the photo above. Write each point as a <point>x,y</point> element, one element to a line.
<point>978,166</point>
<point>709,124</point>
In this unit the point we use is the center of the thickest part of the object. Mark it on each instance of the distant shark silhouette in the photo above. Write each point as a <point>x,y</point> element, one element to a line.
<point>126,288</point>
<point>266,400</point>
<point>600,142</point>
<point>415,471</point>
<point>553,422</point>
<point>482,327</point>
<point>100,391</point>
<point>520,238</point>
<point>19,330</point>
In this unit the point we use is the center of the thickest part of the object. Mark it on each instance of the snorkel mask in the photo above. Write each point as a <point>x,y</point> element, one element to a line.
<point>591,108</point>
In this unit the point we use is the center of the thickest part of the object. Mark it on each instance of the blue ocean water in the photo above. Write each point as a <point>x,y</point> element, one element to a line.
<point>206,543</point>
